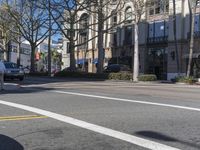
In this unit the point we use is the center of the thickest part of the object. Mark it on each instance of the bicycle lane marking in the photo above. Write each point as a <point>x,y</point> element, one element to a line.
<point>92,127</point>
<point>129,100</point>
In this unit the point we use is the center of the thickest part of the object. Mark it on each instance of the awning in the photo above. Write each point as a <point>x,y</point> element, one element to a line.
<point>95,61</point>
<point>80,61</point>
<point>194,55</point>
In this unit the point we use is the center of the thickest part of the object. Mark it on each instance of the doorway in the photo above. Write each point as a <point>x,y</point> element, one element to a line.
<point>157,62</point>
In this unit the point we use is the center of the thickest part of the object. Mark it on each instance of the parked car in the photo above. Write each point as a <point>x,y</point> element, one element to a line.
<point>13,71</point>
<point>117,68</point>
<point>26,69</point>
<point>69,69</point>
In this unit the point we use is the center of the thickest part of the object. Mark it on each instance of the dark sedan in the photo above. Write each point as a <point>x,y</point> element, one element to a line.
<point>117,68</point>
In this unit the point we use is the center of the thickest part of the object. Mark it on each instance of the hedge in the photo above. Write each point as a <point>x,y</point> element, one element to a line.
<point>120,76</point>
<point>147,77</point>
<point>184,79</point>
<point>114,76</point>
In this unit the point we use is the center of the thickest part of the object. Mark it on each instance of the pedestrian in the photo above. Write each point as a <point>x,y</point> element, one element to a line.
<point>2,71</point>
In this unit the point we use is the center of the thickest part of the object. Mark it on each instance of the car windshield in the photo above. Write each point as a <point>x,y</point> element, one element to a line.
<point>11,65</point>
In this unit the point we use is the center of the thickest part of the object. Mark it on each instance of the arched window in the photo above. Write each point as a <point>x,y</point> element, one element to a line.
<point>114,19</point>
<point>83,30</point>
<point>128,14</point>
<point>84,21</point>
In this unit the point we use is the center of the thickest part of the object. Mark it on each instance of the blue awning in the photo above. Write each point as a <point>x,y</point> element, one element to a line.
<point>80,61</point>
<point>95,61</point>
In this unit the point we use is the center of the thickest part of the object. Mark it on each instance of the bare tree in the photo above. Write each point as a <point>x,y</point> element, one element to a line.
<point>139,10</point>
<point>99,8</point>
<point>66,15</point>
<point>32,25</point>
<point>8,30</point>
<point>49,40</point>
<point>192,8</point>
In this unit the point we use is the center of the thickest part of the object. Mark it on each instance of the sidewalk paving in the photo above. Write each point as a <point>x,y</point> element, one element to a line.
<point>8,86</point>
<point>11,86</point>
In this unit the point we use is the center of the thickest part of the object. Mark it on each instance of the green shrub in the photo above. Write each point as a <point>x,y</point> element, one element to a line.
<point>120,76</point>
<point>113,76</point>
<point>77,74</point>
<point>147,77</point>
<point>184,79</point>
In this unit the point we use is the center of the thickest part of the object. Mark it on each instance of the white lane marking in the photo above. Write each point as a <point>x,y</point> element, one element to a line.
<point>92,127</point>
<point>129,100</point>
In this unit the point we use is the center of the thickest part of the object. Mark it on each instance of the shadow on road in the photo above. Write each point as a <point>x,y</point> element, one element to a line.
<point>25,90</point>
<point>7,143</point>
<point>44,80</point>
<point>166,138</point>
<point>36,82</point>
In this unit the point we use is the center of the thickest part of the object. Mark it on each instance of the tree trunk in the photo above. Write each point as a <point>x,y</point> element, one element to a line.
<point>72,44</point>
<point>49,42</point>
<point>7,51</point>
<point>33,47</point>
<point>18,53</point>
<point>72,55</point>
<point>49,54</point>
<point>100,38</point>
<point>84,57</point>
<point>175,38</point>
<point>192,15</point>
<point>93,43</point>
<point>136,54</point>
<point>100,51</point>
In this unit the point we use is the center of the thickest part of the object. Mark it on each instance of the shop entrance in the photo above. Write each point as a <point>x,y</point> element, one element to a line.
<point>157,62</point>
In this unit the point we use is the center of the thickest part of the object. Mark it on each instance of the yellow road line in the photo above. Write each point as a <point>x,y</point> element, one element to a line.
<point>22,116</point>
<point>25,117</point>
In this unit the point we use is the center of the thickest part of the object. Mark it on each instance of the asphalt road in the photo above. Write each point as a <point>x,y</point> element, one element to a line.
<point>66,114</point>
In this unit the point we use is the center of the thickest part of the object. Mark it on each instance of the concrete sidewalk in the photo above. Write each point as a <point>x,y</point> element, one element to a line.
<point>11,86</point>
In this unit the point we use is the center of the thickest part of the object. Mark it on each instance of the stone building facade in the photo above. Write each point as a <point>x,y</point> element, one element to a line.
<point>157,53</point>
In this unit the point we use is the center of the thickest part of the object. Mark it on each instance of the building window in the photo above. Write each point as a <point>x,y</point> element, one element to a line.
<point>67,47</point>
<point>14,48</point>
<point>128,35</point>
<point>128,14</point>
<point>84,21</point>
<point>157,7</point>
<point>151,11</point>
<point>114,20</point>
<point>158,29</point>
<point>115,39</point>
<point>83,34</point>
<point>198,3</point>
<point>157,10</point>
<point>197,23</point>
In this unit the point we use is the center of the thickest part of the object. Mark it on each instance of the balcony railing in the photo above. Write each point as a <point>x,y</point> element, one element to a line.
<point>161,39</point>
